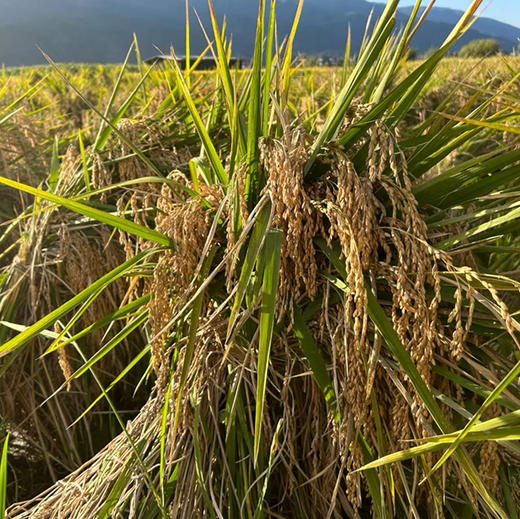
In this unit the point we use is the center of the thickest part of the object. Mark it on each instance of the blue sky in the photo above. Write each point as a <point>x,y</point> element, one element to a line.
<point>504,10</point>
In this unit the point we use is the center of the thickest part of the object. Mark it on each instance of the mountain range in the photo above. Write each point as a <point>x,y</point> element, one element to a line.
<point>100,31</point>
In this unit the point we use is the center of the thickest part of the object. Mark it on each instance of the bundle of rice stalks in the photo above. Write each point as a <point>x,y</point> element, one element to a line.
<point>317,295</point>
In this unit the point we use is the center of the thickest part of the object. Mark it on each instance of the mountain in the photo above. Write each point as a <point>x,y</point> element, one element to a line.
<point>101,30</point>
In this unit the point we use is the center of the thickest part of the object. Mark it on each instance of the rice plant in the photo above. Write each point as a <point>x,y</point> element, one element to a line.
<point>262,293</point>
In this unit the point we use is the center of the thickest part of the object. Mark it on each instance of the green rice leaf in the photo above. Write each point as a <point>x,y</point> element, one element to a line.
<point>129,367</point>
<point>254,127</point>
<point>93,213</point>
<point>511,376</point>
<point>268,67</point>
<point>438,443</point>
<point>3,477</point>
<point>255,244</point>
<point>207,143</point>
<point>271,258</point>
<point>46,322</point>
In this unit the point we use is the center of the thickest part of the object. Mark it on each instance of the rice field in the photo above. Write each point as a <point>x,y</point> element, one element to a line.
<point>280,292</point>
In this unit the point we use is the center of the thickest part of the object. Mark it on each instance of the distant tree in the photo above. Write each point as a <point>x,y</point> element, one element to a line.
<point>430,52</point>
<point>480,49</point>
<point>412,54</point>
<point>306,60</point>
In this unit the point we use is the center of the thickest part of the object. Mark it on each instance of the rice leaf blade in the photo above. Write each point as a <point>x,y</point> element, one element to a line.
<point>23,338</point>
<point>257,239</point>
<point>271,258</point>
<point>3,477</point>
<point>93,213</point>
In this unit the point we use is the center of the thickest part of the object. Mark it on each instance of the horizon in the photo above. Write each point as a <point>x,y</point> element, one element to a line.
<point>99,31</point>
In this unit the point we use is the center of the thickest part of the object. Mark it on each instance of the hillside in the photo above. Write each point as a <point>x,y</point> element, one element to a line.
<point>101,31</point>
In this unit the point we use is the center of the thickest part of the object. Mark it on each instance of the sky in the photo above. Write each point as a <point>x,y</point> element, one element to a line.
<point>504,10</point>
